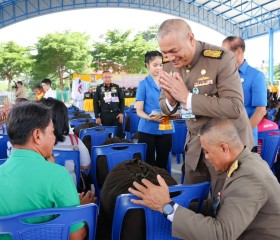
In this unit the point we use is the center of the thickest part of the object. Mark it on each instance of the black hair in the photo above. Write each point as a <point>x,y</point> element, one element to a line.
<point>235,43</point>
<point>38,86</point>
<point>24,118</point>
<point>47,81</point>
<point>59,118</point>
<point>19,82</point>
<point>149,56</point>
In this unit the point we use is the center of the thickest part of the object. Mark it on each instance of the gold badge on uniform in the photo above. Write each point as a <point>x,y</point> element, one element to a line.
<point>233,167</point>
<point>213,53</point>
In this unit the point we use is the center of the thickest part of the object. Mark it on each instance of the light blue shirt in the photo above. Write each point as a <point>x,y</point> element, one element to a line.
<point>149,93</point>
<point>254,89</point>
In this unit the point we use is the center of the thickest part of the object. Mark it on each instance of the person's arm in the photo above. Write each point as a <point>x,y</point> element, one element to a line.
<point>121,100</point>
<point>259,98</point>
<point>257,116</point>
<point>238,209</point>
<point>79,235</point>
<point>96,103</point>
<point>139,105</point>
<point>84,155</point>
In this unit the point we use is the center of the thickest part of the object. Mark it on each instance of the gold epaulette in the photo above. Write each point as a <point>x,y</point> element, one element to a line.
<point>232,168</point>
<point>213,53</point>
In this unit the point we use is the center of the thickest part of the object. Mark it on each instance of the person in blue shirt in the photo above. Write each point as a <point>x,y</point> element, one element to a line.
<point>253,84</point>
<point>159,142</point>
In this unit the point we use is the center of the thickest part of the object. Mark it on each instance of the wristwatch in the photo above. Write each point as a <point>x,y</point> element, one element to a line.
<point>168,208</point>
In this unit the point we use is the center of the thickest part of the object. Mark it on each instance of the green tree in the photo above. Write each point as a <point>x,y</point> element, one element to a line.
<point>15,61</point>
<point>121,52</point>
<point>277,72</point>
<point>60,52</point>
<point>150,34</point>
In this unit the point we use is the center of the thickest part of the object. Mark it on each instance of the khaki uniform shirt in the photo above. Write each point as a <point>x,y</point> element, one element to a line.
<point>21,92</point>
<point>249,207</point>
<point>221,99</point>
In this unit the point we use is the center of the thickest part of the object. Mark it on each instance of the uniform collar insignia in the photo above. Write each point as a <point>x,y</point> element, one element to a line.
<point>232,168</point>
<point>213,53</point>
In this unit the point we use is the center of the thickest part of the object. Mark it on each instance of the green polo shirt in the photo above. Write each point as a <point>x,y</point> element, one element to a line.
<point>29,182</point>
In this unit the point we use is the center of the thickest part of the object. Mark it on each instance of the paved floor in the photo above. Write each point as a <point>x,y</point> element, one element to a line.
<point>176,170</point>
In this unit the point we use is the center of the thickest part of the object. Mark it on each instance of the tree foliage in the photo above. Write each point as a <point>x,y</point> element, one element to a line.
<point>150,34</point>
<point>120,52</point>
<point>60,52</point>
<point>277,72</point>
<point>15,61</point>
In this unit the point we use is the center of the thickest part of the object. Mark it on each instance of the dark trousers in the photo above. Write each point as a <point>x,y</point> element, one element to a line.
<point>158,148</point>
<point>110,119</point>
<point>205,171</point>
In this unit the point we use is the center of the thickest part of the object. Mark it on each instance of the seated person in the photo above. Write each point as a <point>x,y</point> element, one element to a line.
<point>248,206</point>
<point>36,183</point>
<point>64,140</point>
<point>117,182</point>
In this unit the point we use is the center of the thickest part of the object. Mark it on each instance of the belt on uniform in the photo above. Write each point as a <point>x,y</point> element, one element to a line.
<point>110,111</point>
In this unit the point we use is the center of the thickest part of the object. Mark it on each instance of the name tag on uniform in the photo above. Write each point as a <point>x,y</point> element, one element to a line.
<point>107,97</point>
<point>188,115</point>
<point>115,99</point>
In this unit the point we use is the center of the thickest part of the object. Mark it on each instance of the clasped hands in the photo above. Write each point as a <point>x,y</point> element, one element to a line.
<point>174,87</point>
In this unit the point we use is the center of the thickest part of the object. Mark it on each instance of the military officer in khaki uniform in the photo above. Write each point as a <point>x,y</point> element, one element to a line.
<point>109,104</point>
<point>248,206</point>
<point>203,81</point>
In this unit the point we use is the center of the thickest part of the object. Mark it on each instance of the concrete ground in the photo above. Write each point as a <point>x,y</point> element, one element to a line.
<point>176,169</point>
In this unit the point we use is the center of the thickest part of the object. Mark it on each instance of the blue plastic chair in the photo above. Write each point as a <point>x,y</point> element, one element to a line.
<point>157,226</point>
<point>179,139</point>
<point>270,144</point>
<point>111,129</point>
<point>132,117</point>
<point>115,154</point>
<point>98,135</point>
<point>58,228</point>
<point>3,145</point>
<point>61,156</point>
<point>3,160</point>
<point>77,122</point>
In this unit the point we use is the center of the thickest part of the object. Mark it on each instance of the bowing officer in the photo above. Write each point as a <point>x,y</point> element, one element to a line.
<point>203,81</point>
<point>109,104</point>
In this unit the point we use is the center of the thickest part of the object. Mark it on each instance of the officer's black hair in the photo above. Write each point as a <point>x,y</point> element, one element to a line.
<point>149,56</point>
<point>235,43</point>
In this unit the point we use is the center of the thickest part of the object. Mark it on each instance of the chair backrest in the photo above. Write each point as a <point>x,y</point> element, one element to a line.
<point>61,156</point>
<point>157,226</point>
<point>77,122</point>
<point>3,145</point>
<point>270,144</point>
<point>132,117</point>
<point>3,160</point>
<point>179,138</point>
<point>111,129</point>
<point>98,135</point>
<point>115,154</point>
<point>57,228</point>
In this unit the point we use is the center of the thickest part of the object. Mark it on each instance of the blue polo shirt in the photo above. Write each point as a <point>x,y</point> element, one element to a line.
<point>254,89</point>
<point>29,182</point>
<point>149,93</point>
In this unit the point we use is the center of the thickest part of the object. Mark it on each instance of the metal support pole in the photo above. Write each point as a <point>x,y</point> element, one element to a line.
<point>271,58</point>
